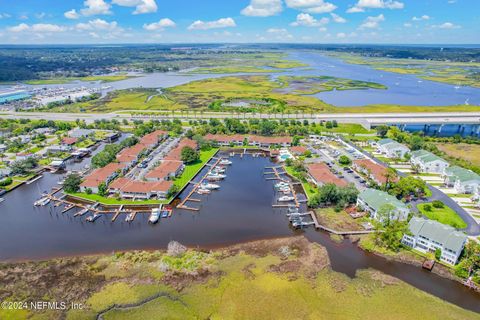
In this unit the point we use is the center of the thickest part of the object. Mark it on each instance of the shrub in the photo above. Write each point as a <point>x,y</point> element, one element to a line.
<point>438,204</point>
<point>427,207</point>
<point>438,253</point>
<point>6,182</point>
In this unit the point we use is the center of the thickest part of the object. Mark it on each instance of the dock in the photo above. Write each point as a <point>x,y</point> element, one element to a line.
<point>117,213</point>
<point>182,204</point>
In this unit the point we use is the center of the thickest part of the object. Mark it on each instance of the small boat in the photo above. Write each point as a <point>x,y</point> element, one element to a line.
<point>92,218</point>
<point>210,186</point>
<point>42,202</point>
<point>129,217</point>
<point>219,170</point>
<point>286,198</point>
<point>1,200</point>
<point>213,176</point>
<point>60,182</point>
<point>203,191</point>
<point>225,162</point>
<point>281,185</point>
<point>154,216</point>
<point>165,213</point>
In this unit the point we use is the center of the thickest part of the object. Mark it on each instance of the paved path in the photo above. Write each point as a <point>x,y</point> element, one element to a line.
<point>472,229</point>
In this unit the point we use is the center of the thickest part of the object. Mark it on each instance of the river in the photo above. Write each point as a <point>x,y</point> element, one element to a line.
<point>240,211</point>
<point>403,89</point>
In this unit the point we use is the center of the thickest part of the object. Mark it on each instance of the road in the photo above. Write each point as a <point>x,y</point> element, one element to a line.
<point>365,119</point>
<point>472,229</point>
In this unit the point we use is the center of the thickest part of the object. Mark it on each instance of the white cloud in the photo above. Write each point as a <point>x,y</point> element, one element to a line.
<point>19,28</point>
<point>263,8</point>
<point>4,15</point>
<point>72,14</point>
<point>160,25</point>
<point>39,28</point>
<point>94,35</point>
<point>311,6</point>
<point>47,27</point>
<point>40,15</point>
<point>447,25</point>
<point>424,17</point>
<point>141,6</point>
<point>98,24</point>
<point>205,25</point>
<point>306,20</point>
<point>280,34</point>
<point>337,18</point>
<point>95,7</point>
<point>341,35</point>
<point>375,4</point>
<point>407,24</point>
<point>372,22</point>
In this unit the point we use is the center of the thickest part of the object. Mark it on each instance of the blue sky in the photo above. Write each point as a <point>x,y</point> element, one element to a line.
<point>174,21</point>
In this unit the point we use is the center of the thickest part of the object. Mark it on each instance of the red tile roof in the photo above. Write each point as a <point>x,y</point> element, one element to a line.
<point>100,175</point>
<point>69,140</point>
<point>153,138</point>
<point>298,149</point>
<point>131,153</point>
<point>270,140</point>
<point>176,153</point>
<point>322,174</point>
<point>225,138</point>
<point>166,168</point>
<point>377,171</point>
<point>134,186</point>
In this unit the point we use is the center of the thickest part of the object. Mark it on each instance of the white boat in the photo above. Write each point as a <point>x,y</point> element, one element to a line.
<point>154,216</point>
<point>92,218</point>
<point>203,191</point>
<point>210,186</point>
<point>129,217</point>
<point>1,200</point>
<point>42,202</point>
<point>281,185</point>
<point>219,170</point>
<point>225,162</point>
<point>286,198</point>
<point>82,212</point>
<point>215,176</point>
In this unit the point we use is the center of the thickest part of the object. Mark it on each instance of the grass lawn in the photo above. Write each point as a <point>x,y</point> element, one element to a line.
<point>444,215</point>
<point>110,78</point>
<point>191,170</point>
<point>309,189</point>
<point>350,128</point>
<point>114,201</point>
<point>468,152</point>
<point>340,221</point>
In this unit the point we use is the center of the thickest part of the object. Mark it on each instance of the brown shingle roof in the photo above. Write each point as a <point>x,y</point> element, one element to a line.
<point>322,174</point>
<point>134,186</point>
<point>376,170</point>
<point>101,175</point>
<point>164,169</point>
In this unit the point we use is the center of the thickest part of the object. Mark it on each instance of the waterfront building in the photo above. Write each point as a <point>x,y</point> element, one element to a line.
<point>428,236</point>
<point>428,162</point>
<point>462,180</point>
<point>392,149</point>
<point>143,190</point>
<point>320,174</point>
<point>167,170</point>
<point>372,201</point>
<point>101,175</point>
<point>373,170</point>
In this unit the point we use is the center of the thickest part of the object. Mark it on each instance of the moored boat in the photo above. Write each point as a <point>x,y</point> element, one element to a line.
<point>286,198</point>
<point>210,186</point>
<point>92,218</point>
<point>225,162</point>
<point>154,216</point>
<point>42,202</point>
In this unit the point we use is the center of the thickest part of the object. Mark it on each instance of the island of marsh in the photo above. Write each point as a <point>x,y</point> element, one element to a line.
<point>256,280</point>
<point>256,94</point>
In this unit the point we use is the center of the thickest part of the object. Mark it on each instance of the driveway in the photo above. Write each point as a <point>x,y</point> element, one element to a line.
<point>472,229</point>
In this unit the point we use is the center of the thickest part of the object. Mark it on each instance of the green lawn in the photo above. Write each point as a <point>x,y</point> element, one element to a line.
<point>309,189</point>
<point>192,170</point>
<point>114,201</point>
<point>350,128</point>
<point>444,215</point>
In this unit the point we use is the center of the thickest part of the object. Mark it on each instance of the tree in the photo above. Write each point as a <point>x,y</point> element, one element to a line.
<point>390,176</point>
<point>102,189</point>
<point>382,130</point>
<point>438,204</point>
<point>438,253</point>
<point>72,183</point>
<point>427,207</point>
<point>189,155</point>
<point>344,160</point>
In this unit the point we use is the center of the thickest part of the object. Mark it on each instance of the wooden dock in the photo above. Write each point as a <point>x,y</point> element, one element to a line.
<point>194,189</point>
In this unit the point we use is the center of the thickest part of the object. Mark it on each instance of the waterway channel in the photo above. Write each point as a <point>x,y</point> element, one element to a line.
<point>402,89</point>
<point>240,211</point>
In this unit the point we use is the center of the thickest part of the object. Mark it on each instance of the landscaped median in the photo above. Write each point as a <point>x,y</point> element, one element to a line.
<point>443,215</point>
<point>190,171</point>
